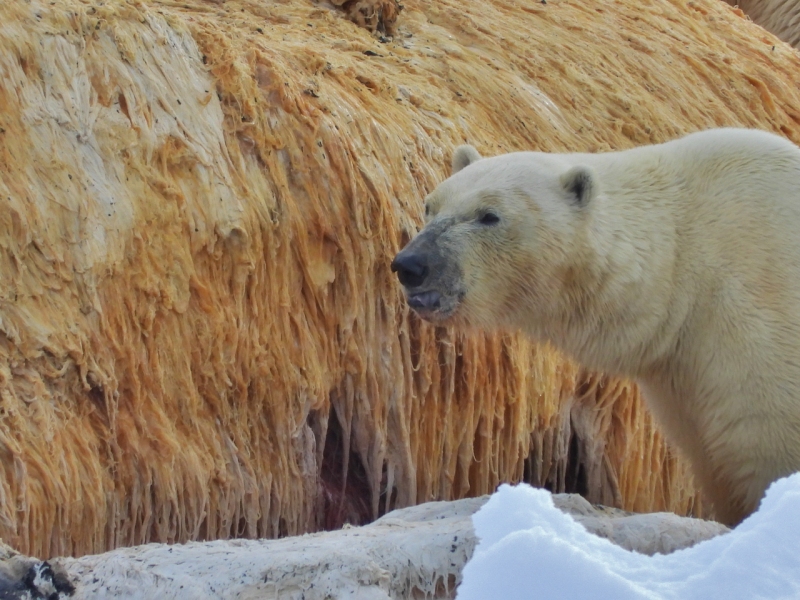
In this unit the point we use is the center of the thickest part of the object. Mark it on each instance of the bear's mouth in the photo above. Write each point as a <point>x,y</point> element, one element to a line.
<point>425,301</point>
<point>431,305</point>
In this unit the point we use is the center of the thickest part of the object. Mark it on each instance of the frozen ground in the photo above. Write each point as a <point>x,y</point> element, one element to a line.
<point>417,552</point>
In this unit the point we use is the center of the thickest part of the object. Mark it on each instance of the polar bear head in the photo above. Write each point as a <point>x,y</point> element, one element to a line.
<point>503,240</point>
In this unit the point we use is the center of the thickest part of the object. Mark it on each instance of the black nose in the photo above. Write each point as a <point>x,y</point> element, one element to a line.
<point>411,269</point>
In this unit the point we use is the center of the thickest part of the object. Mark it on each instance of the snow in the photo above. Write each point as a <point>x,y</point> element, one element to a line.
<point>529,549</point>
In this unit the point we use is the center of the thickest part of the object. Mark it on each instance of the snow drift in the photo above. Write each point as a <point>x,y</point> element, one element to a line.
<point>530,549</point>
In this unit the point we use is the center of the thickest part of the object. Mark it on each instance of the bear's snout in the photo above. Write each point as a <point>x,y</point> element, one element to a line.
<point>430,276</point>
<point>411,269</point>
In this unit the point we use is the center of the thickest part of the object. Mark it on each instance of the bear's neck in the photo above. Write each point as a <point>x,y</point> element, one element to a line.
<point>618,310</point>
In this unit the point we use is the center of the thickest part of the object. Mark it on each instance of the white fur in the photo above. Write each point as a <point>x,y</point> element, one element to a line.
<point>781,17</point>
<point>682,271</point>
<point>463,157</point>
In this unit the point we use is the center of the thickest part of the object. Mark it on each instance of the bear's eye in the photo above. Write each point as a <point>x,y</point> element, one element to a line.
<point>488,218</point>
<point>427,210</point>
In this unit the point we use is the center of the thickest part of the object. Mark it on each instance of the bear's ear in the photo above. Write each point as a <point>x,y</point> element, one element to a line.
<point>581,184</point>
<point>464,156</point>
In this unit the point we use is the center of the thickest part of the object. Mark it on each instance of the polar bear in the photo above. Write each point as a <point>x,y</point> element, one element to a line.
<point>781,17</point>
<point>677,265</point>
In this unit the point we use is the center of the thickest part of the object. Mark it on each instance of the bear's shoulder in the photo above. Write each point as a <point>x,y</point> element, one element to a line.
<point>732,137</point>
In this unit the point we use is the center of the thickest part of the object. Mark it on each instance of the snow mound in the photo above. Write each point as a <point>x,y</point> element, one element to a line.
<point>530,549</point>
